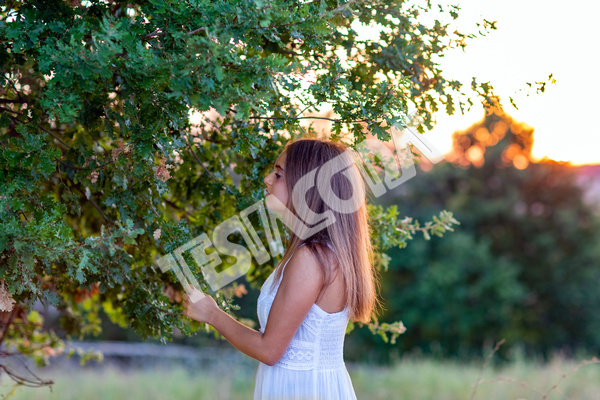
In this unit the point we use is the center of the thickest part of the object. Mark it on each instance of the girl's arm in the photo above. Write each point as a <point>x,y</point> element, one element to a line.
<point>301,283</point>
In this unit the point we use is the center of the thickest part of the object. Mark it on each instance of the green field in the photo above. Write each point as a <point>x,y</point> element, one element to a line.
<point>409,379</point>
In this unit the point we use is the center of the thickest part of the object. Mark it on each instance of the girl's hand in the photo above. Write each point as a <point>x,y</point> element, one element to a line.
<point>198,305</point>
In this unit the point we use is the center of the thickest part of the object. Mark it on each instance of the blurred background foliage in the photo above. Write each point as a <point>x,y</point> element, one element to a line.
<point>523,265</point>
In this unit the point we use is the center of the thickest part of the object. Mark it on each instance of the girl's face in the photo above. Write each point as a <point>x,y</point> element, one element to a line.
<point>276,186</point>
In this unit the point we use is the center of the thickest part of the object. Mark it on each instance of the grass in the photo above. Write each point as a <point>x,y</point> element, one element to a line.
<point>445,380</point>
<point>415,379</point>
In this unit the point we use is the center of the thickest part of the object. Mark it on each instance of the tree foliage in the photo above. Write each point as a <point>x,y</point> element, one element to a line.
<point>102,169</point>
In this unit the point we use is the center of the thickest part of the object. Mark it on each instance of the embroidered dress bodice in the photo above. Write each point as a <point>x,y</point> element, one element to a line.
<point>318,343</point>
<point>313,363</point>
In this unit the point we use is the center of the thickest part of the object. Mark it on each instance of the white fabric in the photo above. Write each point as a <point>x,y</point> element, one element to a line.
<point>313,364</point>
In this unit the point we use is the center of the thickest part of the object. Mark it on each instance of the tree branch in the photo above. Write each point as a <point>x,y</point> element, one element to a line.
<point>8,323</point>
<point>312,117</point>
<point>91,200</point>
<point>9,110</point>
<point>158,32</point>
<point>12,101</point>
<point>223,184</point>
<point>15,119</point>
<point>175,206</point>
<point>69,166</point>
<point>16,90</point>
<point>196,31</point>
<point>21,380</point>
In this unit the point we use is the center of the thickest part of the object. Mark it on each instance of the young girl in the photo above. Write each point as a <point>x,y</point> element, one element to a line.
<point>320,284</point>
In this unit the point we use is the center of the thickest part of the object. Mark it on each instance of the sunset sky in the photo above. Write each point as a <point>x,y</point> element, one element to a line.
<point>534,38</point>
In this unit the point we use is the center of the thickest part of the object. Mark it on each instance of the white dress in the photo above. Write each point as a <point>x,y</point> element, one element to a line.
<point>313,364</point>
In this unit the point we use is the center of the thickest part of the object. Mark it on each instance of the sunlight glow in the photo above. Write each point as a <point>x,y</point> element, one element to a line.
<point>530,44</point>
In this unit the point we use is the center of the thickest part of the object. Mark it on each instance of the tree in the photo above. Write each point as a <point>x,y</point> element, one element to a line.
<point>102,170</point>
<point>524,263</point>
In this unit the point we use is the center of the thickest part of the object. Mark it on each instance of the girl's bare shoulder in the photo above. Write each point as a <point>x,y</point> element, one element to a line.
<point>303,267</point>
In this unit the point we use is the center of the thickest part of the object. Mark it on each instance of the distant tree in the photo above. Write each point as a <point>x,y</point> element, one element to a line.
<point>101,169</point>
<point>524,264</point>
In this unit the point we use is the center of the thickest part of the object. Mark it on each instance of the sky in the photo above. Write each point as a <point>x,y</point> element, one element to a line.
<point>534,39</point>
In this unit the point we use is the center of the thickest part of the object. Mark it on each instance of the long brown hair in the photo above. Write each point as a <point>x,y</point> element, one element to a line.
<point>349,235</point>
